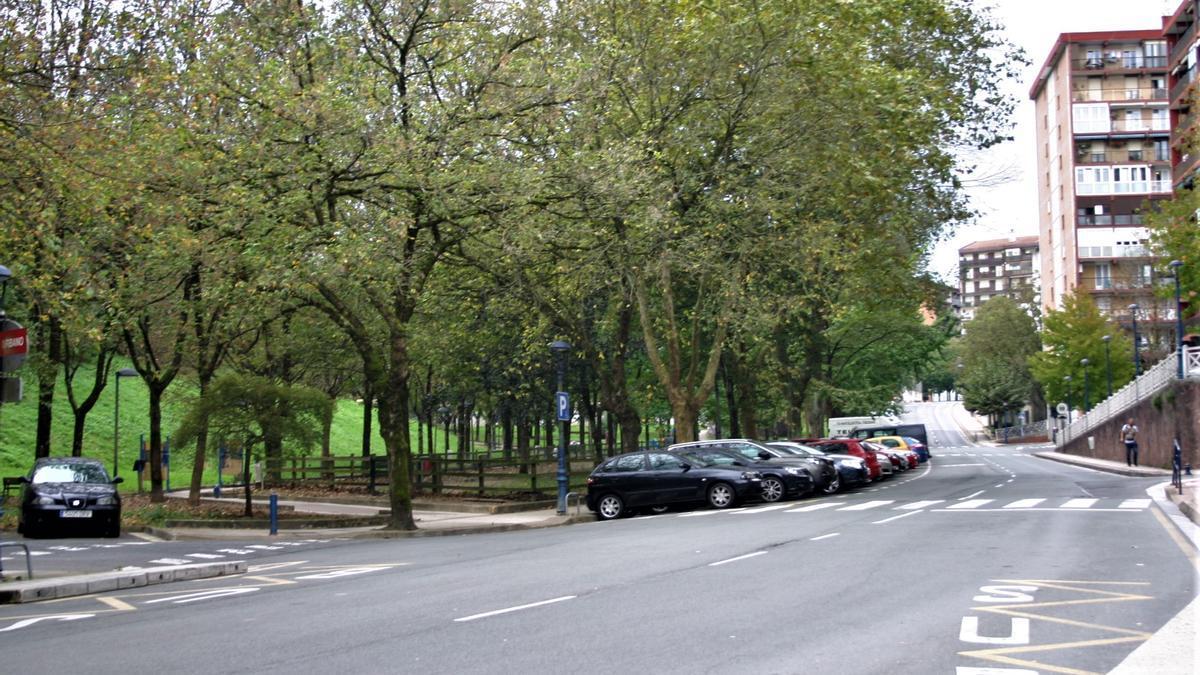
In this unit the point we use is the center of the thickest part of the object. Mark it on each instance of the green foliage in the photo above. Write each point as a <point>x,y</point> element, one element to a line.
<point>995,352</point>
<point>250,409</point>
<point>1074,333</point>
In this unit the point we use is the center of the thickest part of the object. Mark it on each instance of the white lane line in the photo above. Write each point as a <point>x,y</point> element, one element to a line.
<point>1045,508</point>
<point>697,514</point>
<point>205,556</point>
<point>951,466</point>
<point>998,485</point>
<point>1024,503</point>
<point>973,494</point>
<point>1079,503</point>
<point>825,536</point>
<point>764,509</point>
<point>515,609</point>
<point>740,557</point>
<point>972,504</point>
<point>868,505</point>
<point>172,561</point>
<point>902,515</point>
<point>814,507</point>
<point>1134,504</point>
<point>918,505</point>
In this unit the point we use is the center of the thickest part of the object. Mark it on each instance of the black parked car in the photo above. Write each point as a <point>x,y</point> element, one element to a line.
<point>778,481</point>
<point>822,471</point>
<point>69,493</point>
<point>851,470</point>
<point>656,480</point>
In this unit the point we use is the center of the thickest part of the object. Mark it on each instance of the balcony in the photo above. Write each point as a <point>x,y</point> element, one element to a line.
<point>1182,44</point>
<point>1183,82</point>
<point>1110,220</point>
<point>1110,252</point>
<point>1137,187</point>
<point>1119,156</point>
<point>1119,62</point>
<point>1118,94</point>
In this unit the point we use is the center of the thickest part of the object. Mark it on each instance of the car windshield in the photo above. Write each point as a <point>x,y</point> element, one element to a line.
<point>911,441</point>
<point>70,473</point>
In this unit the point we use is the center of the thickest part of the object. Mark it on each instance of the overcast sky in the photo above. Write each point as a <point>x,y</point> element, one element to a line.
<point>1034,25</point>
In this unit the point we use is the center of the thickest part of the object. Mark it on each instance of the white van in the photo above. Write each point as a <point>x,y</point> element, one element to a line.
<point>842,426</point>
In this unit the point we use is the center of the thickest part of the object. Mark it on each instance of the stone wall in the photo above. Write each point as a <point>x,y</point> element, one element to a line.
<point>1159,418</point>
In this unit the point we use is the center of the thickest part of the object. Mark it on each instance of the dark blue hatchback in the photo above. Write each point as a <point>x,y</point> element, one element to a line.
<point>656,480</point>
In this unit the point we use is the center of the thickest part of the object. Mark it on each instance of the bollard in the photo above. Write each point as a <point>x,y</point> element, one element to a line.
<point>274,513</point>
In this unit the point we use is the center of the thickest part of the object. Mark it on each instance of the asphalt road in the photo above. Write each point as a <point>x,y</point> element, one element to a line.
<point>984,558</point>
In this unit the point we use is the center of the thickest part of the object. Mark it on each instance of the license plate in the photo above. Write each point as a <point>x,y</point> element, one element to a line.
<point>75,514</point>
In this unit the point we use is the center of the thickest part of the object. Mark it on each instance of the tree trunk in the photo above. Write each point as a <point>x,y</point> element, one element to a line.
<point>156,469</point>
<point>393,425</point>
<point>506,430</point>
<point>368,418</point>
<point>47,377</point>
<point>731,397</point>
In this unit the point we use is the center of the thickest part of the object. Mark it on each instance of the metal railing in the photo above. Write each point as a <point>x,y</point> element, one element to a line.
<point>1118,62</point>
<point>1005,434</point>
<point>1150,383</point>
<point>1118,94</point>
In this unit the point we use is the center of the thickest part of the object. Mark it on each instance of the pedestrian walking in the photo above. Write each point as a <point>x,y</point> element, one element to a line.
<point>1129,434</point>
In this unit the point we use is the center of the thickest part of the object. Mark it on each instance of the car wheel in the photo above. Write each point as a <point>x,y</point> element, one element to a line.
<point>610,506</point>
<point>772,489</point>
<point>833,485</point>
<point>721,496</point>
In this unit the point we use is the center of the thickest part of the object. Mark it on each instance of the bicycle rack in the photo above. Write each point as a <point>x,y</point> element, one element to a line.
<point>28,563</point>
<point>578,501</point>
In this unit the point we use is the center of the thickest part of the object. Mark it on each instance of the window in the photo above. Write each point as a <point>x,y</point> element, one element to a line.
<point>1103,276</point>
<point>629,463</point>
<point>664,462</point>
<point>1162,152</point>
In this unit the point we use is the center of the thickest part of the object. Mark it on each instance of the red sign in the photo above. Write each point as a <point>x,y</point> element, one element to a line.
<point>14,342</point>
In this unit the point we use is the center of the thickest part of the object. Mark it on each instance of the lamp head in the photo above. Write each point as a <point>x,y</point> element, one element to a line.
<point>1175,264</point>
<point>1084,362</point>
<point>1106,338</point>
<point>560,346</point>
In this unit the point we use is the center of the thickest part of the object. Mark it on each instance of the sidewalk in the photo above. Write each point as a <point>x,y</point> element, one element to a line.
<point>1174,649</point>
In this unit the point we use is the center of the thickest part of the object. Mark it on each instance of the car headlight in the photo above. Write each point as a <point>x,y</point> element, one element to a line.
<point>855,462</point>
<point>43,501</point>
<point>105,501</point>
<point>794,470</point>
<point>751,475</point>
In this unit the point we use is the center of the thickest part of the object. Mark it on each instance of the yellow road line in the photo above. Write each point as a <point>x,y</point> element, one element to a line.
<point>272,580</point>
<point>1001,655</point>
<point>1183,545</point>
<point>1068,622</point>
<point>116,603</point>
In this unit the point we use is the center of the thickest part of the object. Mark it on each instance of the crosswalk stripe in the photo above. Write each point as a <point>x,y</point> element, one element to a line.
<point>205,556</point>
<point>868,505</point>
<point>918,505</point>
<point>814,507</point>
<point>1079,503</point>
<point>1134,504</point>
<point>764,509</point>
<point>1024,503</point>
<point>970,504</point>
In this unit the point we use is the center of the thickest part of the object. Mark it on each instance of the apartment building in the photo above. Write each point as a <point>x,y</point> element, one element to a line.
<point>1104,156</point>
<point>1180,31</point>
<point>1009,267</point>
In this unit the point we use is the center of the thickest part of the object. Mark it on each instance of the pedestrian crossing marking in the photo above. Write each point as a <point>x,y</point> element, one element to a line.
<point>814,507</point>
<point>764,509</point>
<point>1024,503</point>
<point>970,504</point>
<point>867,505</point>
<point>918,505</point>
<point>1134,504</point>
<point>1079,503</point>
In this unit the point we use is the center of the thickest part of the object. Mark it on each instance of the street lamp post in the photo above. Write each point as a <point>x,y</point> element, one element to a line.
<point>5,275</point>
<point>1175,265</point>
<point>563,409</point>
<point>1137,356</point>
<point>1070,404</point>
<point>124,372</point>
<point>1086,391</point>
<point>1107,365</point>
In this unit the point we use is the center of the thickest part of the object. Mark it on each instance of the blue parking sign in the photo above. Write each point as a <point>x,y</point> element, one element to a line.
<point>564,406</point>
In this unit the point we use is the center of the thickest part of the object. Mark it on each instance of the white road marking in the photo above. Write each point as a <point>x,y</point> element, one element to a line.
<point>696,514</point>
<point>973,494</point>
<point>902,515</point>
<point>236,551</point>
<point>1134,504</point>
<point>740,557</point>
<point>1024,503</point>
<point>867,505</point>
<point>515,609</point>
<point>264,547</point>
<point>825,536</point>
<point>348,572</point>
<point>205,556</point>
<point>918,505</point>
<point>764,509</point>
<point>951,466</point>
<point>171,561</point>
<point>814,507</point>
<point>61,617</point>
<point>1079,503</point>
<point>204,595</point>
<point>972,504</point>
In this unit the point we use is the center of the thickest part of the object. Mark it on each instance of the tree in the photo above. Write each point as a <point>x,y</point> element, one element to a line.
<point>253,409</point>
<point>1072,334</point>
<point>996,351</point>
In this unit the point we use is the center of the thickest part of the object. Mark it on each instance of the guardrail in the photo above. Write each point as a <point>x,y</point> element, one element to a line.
<point>1004,434</point>
<point>1150,383</point>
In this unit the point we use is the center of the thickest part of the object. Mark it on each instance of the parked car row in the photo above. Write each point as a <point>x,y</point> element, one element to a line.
<point>726,472</point>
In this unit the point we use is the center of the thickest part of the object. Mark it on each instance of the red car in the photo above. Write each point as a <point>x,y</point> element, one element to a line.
<point>848,446</point>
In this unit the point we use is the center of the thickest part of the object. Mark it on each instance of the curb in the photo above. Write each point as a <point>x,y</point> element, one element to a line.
<point>1089,463</point>
<point>1186,507</point>
<point>35,590</point>
<point>556,521</point>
